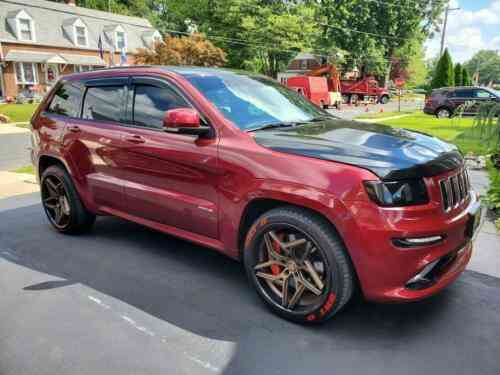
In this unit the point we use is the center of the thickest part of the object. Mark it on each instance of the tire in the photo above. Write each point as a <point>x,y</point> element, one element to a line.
<point>384,99</point>
<point>327,257</point>
<point>443,112</point>
<point>74,217</point>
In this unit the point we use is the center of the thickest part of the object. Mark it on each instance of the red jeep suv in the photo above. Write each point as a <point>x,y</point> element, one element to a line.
<point>313,205</point>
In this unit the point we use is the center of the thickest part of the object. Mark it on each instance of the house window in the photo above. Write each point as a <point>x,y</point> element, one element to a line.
<point>120,40</point>
<point>81,36</point>
<point>26,74</point>
<point>25,29</point>
<point>83,68</point>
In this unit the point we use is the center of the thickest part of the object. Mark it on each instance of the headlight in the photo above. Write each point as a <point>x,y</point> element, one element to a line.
<point>397,193</point>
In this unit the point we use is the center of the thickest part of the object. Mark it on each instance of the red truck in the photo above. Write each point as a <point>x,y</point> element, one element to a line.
<point>313,88</point>
<point>354,90</point>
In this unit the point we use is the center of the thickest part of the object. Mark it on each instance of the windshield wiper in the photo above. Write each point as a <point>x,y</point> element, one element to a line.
<point>273,125</point>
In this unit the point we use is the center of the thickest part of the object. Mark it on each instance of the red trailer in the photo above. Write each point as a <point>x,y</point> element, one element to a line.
<point>313,88</point>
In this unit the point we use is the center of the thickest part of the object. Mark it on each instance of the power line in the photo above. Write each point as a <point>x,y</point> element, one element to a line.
<point>264,46</point>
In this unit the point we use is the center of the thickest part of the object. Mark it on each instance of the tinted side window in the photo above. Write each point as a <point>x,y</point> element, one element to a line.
<point>103,103</point>
<point>151,103</point>
<point>67,99</point>
<point>463,93</point>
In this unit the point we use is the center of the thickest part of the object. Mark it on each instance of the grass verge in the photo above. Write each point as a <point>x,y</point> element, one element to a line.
<point>28,169</point>
<point>458,131</point>
<point>18,112</point>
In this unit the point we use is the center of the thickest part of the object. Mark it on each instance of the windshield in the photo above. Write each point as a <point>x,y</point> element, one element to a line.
<point>252,102</point>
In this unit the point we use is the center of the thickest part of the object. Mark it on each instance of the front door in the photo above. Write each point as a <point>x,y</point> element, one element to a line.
<point>51,74</point>
<point>171,177</point>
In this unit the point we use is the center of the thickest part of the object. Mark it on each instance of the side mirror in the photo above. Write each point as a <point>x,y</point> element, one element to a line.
<point>185,121</point>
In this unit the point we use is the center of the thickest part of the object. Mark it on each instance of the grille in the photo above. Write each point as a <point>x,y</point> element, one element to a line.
<point>454,190</point>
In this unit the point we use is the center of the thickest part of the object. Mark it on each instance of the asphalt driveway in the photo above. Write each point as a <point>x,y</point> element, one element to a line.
<point>126,300</point>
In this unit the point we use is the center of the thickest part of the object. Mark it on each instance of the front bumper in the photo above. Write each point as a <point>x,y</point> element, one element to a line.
<point>385,270</point>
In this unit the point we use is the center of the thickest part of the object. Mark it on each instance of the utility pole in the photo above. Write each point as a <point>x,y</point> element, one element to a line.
<point>443,33</point>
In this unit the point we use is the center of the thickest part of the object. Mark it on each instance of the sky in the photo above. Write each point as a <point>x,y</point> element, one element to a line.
<point>474,27</point>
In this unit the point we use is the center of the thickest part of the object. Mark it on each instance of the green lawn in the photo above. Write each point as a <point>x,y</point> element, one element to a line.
<point>458,130</point>
<point>18,112</point>
<point>28,169</point>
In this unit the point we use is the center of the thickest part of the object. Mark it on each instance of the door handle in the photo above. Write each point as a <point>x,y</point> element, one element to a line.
<point>134,138</point>
<point>74,128</point>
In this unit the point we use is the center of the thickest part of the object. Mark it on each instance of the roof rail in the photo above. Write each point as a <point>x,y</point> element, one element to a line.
<point>125,67</point>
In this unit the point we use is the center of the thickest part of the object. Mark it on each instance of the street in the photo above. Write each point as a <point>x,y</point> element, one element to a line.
<point>125,299</point>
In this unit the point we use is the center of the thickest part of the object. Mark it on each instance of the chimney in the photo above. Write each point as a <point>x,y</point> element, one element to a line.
<point>70,2</point>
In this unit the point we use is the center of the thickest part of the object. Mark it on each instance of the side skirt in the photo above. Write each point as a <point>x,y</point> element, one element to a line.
<point>189,236</point>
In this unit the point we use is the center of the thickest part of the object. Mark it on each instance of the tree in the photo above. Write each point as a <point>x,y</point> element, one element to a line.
<point>359,25</point>
<point>458,75</point>
<point>466,81</point>
<point>277,36</point>
<point>444,74</point>
<point>408,63</point>
<point>487,64</point>
<point>186,50</point>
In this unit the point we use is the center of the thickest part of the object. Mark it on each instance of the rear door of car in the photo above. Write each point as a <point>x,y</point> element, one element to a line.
<point>171,177</point>
<point>94,141</point>
<point>459,97</point>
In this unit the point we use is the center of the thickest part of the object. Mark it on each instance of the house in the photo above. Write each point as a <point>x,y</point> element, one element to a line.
<point>300,64</point>
<point>42,40</point>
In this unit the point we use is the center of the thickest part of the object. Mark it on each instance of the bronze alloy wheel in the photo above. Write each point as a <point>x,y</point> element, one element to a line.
<point>291,270</point>
<point>56,201</point>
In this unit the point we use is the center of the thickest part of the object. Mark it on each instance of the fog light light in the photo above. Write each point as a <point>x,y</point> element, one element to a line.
<point>417,241</point>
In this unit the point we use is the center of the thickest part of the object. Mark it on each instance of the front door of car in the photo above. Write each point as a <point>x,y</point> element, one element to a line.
<point>171,177</point>
<point>481,97</point>
<point>95,141</point>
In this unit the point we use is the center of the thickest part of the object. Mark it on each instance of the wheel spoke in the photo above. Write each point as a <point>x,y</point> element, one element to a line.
<point>270,249</point>
<point>53,189</point>
<point>294,243</point>
<point>48,204</point>
<point>58,214</point>
<point>314,274</point>
<point>270,277</point>
<point>309,286</point>
<point>296,296</point>
<point>307,252</point>
<point>284,297</point>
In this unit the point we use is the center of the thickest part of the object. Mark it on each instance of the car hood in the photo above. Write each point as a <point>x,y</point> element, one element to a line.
<point>390,153</point>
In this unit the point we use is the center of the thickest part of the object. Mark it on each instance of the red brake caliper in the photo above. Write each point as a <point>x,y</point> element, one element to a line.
<point>275,269</point>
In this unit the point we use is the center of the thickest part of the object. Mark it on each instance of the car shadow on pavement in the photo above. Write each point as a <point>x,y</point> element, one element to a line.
<point>206,293</point>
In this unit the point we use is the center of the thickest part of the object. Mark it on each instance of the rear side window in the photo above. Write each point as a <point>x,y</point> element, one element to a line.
<point>103,103</point>
<point>67,100</point>
<point>151,103</point>
<point>463,94</point>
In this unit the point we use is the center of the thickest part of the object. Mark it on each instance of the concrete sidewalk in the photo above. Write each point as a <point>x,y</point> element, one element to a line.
<point>12,184</point>
<point>12,128</point>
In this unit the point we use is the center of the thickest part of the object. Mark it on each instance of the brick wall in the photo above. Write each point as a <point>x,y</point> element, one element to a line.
<point>9,78</point>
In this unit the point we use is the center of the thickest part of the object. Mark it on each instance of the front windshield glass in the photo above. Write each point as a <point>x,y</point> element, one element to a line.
<point>252,102</point>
